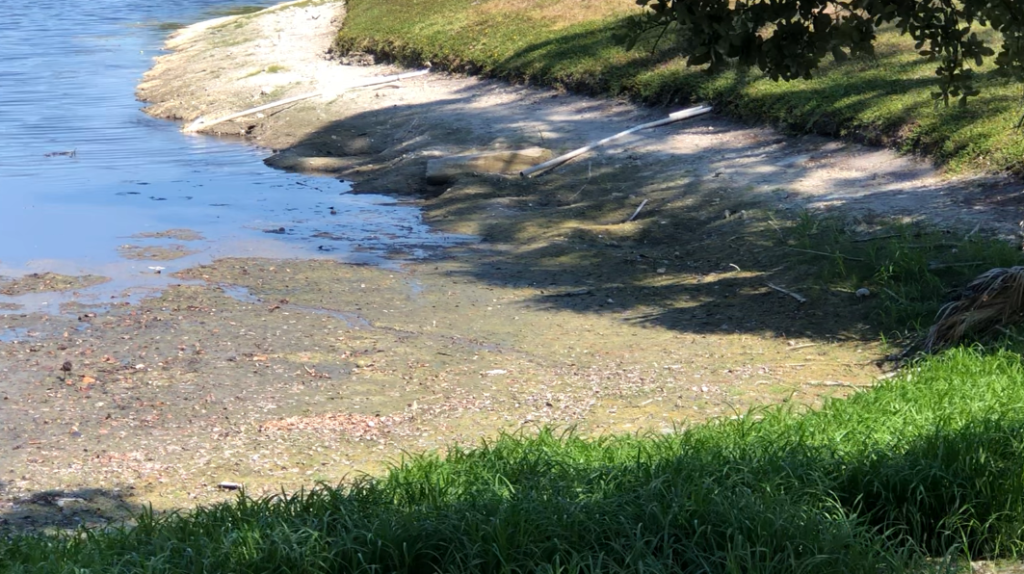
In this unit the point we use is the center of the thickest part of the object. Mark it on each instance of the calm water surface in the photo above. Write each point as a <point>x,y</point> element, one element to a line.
<point>67,75</point>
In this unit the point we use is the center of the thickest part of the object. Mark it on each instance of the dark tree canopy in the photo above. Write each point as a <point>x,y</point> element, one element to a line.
<point>787,39</point>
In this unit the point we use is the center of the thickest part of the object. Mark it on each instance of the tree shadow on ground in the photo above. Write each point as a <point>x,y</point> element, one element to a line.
<point>59,509</point>
<point>718,206</point>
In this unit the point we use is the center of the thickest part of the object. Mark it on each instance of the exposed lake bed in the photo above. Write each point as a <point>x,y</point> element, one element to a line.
<point>324,369</point>
<point>346,338</point>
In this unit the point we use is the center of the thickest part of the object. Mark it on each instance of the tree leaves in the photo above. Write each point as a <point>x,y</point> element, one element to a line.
<point>788,39</point>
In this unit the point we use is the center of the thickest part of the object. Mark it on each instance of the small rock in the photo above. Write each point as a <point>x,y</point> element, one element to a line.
<point>72,505</point>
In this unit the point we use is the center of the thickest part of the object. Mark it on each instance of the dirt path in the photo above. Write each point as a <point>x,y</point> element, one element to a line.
<point>278,373</point>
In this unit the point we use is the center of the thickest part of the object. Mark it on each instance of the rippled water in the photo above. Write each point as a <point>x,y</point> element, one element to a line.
<point>82,170</point>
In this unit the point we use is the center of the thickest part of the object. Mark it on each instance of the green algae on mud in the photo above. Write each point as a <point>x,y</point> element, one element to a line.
<point>47,282</point>
<point>276,374</point>
<point>180,234</point>
<point>234,10</point>
<point>154,252</point>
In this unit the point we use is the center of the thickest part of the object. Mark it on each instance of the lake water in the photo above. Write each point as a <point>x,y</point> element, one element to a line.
<point>83,172</point>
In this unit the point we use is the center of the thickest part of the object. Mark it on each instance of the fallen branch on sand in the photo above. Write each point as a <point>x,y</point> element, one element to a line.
<point>796,296</point>
<point>204,123</point>
<point>632,217</point>
<point>826,253</point>
<point>681,115</point>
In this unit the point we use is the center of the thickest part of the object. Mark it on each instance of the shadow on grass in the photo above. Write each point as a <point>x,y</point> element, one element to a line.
<point>591,62</point>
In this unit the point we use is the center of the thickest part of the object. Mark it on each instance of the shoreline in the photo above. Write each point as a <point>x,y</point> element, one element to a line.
<point>569,312</point>
<point>381,137</point>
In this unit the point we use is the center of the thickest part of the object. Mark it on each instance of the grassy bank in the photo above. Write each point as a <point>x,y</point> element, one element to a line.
<point>578,45</point>
<point>925,465</point>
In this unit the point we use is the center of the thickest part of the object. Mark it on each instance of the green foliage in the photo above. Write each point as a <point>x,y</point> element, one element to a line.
<point>788,39</point>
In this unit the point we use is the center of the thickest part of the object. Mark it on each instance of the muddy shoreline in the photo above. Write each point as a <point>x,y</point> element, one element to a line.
<point>278,373</point>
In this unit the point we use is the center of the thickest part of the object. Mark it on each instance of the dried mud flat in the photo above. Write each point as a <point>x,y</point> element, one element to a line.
<point>276,374</point>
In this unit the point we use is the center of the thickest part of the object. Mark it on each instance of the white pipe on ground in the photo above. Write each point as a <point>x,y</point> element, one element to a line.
<point>680,115</point>
<point>202,123</point>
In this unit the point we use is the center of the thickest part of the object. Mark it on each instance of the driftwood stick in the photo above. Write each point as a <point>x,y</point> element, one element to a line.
<point>201,123</point>
<point>837,384</point>
<point>875,238</point>
<point>804,346</point>
<point>641,206</point>
<point>932,266</point>
<point>796,296</point>
<point>894,296</point>
<point>825,253</point>
<point>681,115</point>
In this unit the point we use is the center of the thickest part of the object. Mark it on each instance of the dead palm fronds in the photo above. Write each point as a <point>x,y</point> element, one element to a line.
<point>993,301</point>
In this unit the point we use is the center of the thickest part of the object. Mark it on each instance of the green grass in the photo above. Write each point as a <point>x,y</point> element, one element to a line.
<point>579,46</point>
<point>921,471</point>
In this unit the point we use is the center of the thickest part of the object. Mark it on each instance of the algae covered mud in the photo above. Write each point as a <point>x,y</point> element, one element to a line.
<point>291,360</point>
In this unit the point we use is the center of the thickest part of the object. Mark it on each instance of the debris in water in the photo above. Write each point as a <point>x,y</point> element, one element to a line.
<point>71,153</point>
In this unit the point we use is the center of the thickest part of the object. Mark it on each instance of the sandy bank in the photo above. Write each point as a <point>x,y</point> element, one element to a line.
<point>381,137</point>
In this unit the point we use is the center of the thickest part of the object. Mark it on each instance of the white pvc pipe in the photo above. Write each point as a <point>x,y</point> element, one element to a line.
<point>680,115</point>
<point>202,123</point>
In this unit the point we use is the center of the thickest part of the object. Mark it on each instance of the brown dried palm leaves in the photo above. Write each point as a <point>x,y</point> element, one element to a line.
<point>994,300</point>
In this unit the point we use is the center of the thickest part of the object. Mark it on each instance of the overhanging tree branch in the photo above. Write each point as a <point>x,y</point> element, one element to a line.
<point>788,39</point>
